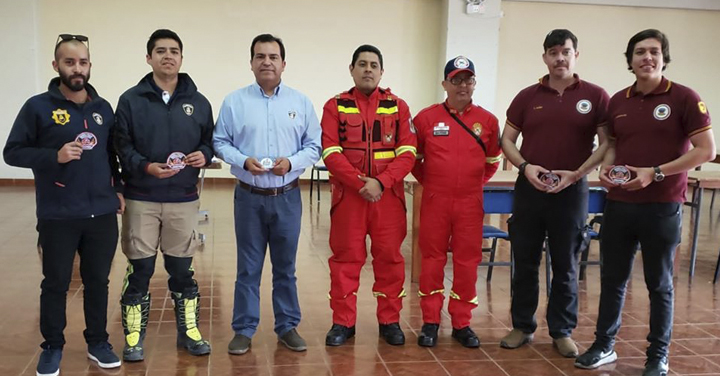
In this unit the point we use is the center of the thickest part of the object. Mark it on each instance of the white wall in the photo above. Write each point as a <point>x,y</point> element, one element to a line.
<point>319,35</point>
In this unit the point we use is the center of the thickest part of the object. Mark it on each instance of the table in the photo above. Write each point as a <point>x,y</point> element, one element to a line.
<point>699,180</point>
<point>505,178</point>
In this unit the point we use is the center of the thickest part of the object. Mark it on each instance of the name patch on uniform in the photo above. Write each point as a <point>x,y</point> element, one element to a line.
<point>661,112</point>
<point>188,108</point>
<point>61,116</point>
<point>583,106</point>
<point>702,107</point>
<point>98,118</point>
<point>440,129</point>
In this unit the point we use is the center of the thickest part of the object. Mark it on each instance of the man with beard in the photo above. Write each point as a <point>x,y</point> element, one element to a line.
<point>551,192</point>
<point>369,146</point>
<point>163,119</point>
<point>269,134</point>
<point>76,200</point>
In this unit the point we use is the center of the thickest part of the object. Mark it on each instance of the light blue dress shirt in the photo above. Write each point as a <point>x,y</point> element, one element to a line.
<point>253,124</point>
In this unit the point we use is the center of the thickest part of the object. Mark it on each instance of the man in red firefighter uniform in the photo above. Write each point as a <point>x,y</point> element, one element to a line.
<point>458,152</point>
<point>369,146</point>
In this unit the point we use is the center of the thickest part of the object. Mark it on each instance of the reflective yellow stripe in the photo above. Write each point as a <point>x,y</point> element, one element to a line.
<point>420,294</point>
<point>386,111</point>
<point>402,294</point>
<point>404,148</point>
<point>330,150</point>
<point>348,110</point>
<point>493,159</point>
<point>474,301</point>
<point>453,295</point>
<point>378,294</point>
<point>384,154</point>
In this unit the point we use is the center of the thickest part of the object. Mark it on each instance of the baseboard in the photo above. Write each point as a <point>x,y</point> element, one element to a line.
<point>17,182</point>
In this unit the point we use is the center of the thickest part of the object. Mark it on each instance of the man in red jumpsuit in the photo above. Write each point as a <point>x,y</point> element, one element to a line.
<point>369,146</point>
<point>458,152</point>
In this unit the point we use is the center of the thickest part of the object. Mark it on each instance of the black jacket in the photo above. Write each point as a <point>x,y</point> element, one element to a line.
<point>81,188</point>
<point>148,130</point>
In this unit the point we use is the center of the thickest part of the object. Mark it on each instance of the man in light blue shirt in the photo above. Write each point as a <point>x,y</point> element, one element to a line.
<point>268,133</point>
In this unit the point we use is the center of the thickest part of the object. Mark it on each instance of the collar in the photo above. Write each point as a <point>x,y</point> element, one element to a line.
<point>544,81</point>
<point>361,96</point>
<point>663,87</point>
<point>262,92</point>
<point>465,110</point>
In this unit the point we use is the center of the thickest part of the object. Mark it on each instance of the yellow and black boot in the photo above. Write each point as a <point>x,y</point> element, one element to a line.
<point>187,315</point>
<point>135,312</point>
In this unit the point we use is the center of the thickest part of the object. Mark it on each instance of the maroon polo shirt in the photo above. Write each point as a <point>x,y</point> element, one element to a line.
<point>653,129</point>
<point>558,130</point>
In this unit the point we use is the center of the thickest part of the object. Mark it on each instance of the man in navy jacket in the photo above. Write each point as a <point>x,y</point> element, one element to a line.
<point>64,136</point>
<point>163,136</point>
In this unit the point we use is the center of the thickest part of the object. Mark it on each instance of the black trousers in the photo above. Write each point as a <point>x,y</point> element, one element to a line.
<point>657,228</point>
<point>95,240</point>
<point>560,217</point>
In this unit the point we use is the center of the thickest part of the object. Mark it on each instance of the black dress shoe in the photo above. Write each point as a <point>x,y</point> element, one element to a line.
<point>392,334</point>
<point>338,334</point>
<point>466,337</point>
<point>428,335</point>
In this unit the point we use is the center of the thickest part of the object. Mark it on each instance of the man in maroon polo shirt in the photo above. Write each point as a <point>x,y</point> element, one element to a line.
<point>559,118</point>
<point>652,124</point>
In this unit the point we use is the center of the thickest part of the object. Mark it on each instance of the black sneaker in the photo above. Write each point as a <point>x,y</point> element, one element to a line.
<point>339,334</point>
<point>49,362</point>
<point>595,357</point>
<point>656,367</point>
<point>239,345</point>
<point>428,335</point>
<point>293,341</point>
<point>392,334</point>
<point>466,337</point>
<point>104,356</point>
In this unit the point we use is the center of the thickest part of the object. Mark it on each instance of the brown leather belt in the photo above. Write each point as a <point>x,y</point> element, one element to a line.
<point>269,191</point>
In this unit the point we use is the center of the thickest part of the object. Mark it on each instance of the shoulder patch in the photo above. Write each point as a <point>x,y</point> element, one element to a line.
<point>702,107</point>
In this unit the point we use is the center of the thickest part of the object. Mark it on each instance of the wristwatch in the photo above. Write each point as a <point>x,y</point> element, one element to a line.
<point>521,168</point>
<point>659,176</point>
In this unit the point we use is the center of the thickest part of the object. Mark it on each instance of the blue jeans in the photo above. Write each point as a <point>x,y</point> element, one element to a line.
<point>259,221</point>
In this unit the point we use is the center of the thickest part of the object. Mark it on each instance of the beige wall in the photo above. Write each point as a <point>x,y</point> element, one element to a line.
<point>320,36</point>
<point>603,33</point>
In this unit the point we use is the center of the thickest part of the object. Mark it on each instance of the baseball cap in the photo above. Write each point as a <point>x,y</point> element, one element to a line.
<point>457,65</point>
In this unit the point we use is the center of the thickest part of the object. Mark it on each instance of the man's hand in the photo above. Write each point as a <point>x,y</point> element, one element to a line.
<point>254,167</point>
<point>281,167</point>
<point>121,209</point>
<point>196,159</point>
<point>605,180</point>
<point>69,152</point>
<point>372,190</point>
<point>643,177</point>
<point>532,173</point>
<point>566,179</point>
<point>161,170</point>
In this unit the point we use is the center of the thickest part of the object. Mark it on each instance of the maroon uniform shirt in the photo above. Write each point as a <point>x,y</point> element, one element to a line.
<point>558,130</point>
<point>653,129</point>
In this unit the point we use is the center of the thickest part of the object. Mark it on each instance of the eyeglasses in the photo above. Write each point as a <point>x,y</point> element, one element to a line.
<point>68,37</point>
<point>457,81</point>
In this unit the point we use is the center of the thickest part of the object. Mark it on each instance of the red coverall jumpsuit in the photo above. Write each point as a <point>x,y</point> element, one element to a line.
<point>452,170</point>
<point>367,136</point>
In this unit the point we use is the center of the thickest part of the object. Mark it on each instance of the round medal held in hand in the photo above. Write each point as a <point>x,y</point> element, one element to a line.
<point>267,163</point>
<point>550,180</point>
<point>176,160</point>
<point>87,140</point>
<point>619,174</point>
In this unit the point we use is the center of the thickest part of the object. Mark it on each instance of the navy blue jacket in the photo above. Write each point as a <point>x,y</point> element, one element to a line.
<point>148,130</point>
<point>81,188</point>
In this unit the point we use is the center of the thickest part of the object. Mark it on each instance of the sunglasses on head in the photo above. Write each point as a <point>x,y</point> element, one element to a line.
<point>68,37</point>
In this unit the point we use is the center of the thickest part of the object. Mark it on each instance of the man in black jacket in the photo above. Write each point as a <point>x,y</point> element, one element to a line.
<point>64,135</point>
<point>163,136</point>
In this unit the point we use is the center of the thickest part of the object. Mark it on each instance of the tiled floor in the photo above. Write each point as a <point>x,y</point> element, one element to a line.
<point>695,348</point>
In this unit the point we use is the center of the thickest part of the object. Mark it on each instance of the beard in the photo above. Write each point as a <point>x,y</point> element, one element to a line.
<point>72,84</point>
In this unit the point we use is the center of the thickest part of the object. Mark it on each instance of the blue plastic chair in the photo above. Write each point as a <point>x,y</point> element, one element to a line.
<point>497,200</point>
